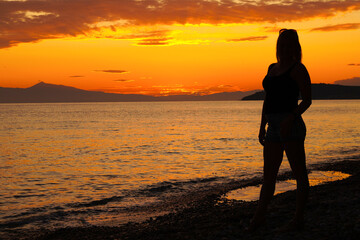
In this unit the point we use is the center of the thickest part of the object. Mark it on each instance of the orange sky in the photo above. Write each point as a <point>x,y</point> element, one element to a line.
<point>162,47</point>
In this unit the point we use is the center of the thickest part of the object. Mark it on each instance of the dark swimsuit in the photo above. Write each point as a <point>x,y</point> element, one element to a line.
<point>282,94</point>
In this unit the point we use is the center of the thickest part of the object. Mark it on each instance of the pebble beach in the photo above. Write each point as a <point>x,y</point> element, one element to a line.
<point>333,212</point>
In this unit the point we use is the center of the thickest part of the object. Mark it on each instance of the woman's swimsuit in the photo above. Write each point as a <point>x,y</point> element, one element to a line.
<point>281,98</point>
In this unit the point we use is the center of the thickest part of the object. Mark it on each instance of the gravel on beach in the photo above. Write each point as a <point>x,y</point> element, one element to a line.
<point>333,212</point>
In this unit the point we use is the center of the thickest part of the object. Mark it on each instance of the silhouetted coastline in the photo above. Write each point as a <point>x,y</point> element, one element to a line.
<point>321,91</point>
<point>49,93</point>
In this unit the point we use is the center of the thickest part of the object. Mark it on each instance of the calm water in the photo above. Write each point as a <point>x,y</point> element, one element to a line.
<point>76,163</point>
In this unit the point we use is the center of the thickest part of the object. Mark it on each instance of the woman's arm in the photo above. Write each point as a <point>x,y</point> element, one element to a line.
<point>302,78</point>
<point>263,123</point>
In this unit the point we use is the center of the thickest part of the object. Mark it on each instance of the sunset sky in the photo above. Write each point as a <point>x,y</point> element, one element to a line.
<point>162,47</point>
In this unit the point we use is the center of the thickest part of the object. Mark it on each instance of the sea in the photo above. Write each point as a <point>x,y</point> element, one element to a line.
<point>85,164</point>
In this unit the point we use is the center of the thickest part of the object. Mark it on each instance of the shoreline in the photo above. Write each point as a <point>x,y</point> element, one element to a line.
<point>332,213</point>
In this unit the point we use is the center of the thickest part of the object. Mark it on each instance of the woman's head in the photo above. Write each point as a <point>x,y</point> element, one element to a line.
<point>288,46</point>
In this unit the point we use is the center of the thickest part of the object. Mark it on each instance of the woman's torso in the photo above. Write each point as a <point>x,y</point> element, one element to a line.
<point>282,91</point>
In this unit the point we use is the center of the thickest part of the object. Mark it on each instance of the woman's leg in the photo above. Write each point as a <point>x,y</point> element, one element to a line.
<point>295,152</point>
<point>273,155</point>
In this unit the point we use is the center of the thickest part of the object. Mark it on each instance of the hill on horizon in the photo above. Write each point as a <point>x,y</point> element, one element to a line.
<point>321,91</point>
<point>45,92</point>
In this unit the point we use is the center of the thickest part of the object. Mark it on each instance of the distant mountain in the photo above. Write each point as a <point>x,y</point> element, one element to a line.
<point>260,95</point>
<point>44,92</point>
<point>349,82</point>
<point>321,91</point>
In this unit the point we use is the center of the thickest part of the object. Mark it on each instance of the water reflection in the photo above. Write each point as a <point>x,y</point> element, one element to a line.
<point>251,193</point>
<point>53,155</point>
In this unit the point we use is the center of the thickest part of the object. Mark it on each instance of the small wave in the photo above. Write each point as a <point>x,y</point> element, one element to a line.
<point>225,139</point>
<point>160,188</point>
<point>6,167</point>
<point>29,195</point>
<point>203,180</point>
<point>343,153</point>
<point>37,219</point>
<point>28,212</point>
<point>166,186</point>
<point>172,152</point>
<point>96,202</point>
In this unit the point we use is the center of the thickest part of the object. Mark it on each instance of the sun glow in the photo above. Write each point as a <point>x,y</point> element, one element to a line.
<point>185,56</point>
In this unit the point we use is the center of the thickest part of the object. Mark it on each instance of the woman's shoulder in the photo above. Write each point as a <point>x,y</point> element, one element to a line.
<point>271,66</point>
<point>299,67</point>
<point>300,73</point>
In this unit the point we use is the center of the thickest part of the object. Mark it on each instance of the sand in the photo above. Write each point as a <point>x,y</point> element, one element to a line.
<point>333,212</point>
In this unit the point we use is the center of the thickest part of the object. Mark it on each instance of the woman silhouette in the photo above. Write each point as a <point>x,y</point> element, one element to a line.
<point>286,130</point>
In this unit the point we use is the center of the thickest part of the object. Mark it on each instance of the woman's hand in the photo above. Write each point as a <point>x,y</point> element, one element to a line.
<point>262,133</point>
<point>286,125</point>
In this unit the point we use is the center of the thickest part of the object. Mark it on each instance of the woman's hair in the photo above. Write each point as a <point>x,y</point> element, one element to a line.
<point>288,45</point>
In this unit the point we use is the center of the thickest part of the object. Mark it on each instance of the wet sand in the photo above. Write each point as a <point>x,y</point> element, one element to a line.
<point>333,212</point>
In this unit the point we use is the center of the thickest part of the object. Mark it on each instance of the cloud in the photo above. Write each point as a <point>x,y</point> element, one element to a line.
<point>272,29</point>
<point>112,71</point>
<point>338,27</point>
<point>349,82</point>
<point>145,34</point>
<point>163,37</point>
<point>354,64</point>
<point>76,76</point>
<point>154,41</point>
<point>124,80</point>
<point>31,21</point>
<point>253,38</point>
<point>149,38</point>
